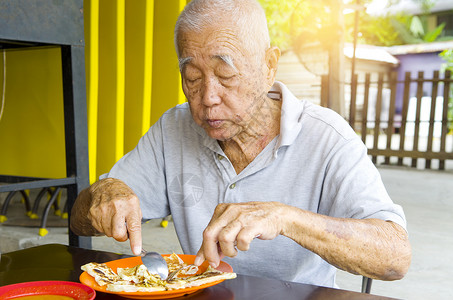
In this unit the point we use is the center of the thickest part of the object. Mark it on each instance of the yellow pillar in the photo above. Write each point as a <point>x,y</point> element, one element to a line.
<point>110,133</point>
<point>166,79</point>
<point>148,66</point>
<point>182,97</point>
<point>120,77</point>
<point>91,8</point>
<point>139,59</point>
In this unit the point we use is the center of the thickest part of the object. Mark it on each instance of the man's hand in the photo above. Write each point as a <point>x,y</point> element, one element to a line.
<point>234,226</point>
<point>109,207</point>
<point>374,248</point>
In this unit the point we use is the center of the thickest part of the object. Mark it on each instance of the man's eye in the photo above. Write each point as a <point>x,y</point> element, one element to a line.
<point>227,80</point>
<point>192,80</point>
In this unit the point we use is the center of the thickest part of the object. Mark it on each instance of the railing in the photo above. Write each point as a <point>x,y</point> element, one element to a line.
<point>418,129</point>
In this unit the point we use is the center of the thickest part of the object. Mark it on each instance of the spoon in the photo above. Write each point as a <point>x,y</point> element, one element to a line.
<point>155,263</point>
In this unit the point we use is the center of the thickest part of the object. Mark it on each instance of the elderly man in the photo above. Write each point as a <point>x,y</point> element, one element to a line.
<point>275,186</point>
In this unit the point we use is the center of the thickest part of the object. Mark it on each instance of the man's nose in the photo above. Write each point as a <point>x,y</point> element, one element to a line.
<point>211,93</point>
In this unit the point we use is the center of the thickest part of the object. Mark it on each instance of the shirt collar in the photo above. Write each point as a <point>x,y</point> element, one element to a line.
<point>290,120</point>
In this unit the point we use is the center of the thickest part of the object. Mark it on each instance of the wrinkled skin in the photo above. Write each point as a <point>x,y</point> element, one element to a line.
<point>226,101</point>
<point>109,207</point>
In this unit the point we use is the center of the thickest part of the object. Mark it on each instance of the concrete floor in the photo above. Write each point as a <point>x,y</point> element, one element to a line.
<point>426,196</point>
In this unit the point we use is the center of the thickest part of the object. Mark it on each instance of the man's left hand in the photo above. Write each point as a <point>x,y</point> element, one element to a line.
<point>234,226</point>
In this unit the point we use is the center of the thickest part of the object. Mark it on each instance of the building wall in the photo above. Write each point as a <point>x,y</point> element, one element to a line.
<point>307,85</point>
<point>302,83</point>
<point>413,63</point>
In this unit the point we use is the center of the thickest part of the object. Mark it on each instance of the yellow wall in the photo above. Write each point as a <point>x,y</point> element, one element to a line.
<point>32,127</point>
<point>132,78</point>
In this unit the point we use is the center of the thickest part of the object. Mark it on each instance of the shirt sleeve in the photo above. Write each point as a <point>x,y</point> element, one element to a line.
<point>142,169</point>
<point>354,188</point>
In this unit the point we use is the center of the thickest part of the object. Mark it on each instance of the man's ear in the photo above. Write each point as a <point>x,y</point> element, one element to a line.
<point>272,57</point>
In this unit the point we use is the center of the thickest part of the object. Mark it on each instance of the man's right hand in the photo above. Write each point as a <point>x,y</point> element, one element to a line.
<point>109,207</point>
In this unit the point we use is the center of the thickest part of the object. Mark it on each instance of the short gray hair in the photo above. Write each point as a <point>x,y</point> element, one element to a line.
<point>248,15</point>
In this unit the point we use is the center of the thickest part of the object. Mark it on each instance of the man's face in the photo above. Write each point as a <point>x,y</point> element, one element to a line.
<point>224,85</point>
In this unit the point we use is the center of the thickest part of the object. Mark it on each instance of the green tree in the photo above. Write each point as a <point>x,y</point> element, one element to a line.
<point>278,13</point>
<point>291,20</point>
<point>414,30</point>
<point>375,30</point>
<point>396,29</point>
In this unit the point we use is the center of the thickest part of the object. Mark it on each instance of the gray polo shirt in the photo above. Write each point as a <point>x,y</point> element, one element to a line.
<point>317,163</point>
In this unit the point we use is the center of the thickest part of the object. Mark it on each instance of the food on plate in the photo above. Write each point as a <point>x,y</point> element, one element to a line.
<point>175,263</point>
<point>138,279</point>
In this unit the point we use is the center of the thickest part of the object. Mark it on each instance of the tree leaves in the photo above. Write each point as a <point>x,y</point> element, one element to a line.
<point>297,22</point>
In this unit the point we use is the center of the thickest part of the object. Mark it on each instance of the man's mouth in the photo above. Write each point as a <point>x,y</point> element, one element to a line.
<point>214,123</point>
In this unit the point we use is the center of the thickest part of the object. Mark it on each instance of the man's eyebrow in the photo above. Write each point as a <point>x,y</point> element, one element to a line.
<point>184,61</point>
<point>226,59</point>
<point>223,57</point>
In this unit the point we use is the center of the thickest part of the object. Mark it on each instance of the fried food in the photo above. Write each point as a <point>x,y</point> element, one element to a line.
<point>138,279</point>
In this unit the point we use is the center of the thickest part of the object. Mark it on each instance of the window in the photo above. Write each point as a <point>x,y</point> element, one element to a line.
<point>446,18</point>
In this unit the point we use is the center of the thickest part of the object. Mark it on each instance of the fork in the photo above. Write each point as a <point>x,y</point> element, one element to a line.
<point>175,272</point>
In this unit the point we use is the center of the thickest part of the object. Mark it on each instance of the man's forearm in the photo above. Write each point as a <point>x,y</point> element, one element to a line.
<point>80,224</point>
<point>369,247</point>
